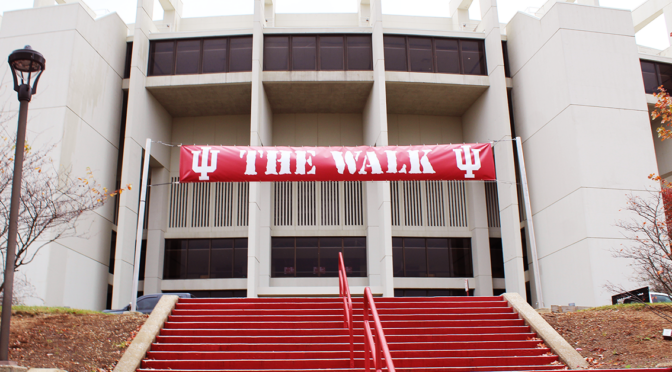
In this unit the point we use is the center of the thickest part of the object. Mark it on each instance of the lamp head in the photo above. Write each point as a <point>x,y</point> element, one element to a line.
<point>27,66</point>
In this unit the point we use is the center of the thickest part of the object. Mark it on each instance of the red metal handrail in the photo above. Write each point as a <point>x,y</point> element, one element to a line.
<point>376,345</point>
<point>344,293</point>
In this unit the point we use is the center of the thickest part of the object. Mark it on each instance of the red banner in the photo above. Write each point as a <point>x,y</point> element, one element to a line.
<point>362,163</point>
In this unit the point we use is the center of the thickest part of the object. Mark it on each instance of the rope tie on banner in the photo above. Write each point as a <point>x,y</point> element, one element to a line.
<point>167,144</point>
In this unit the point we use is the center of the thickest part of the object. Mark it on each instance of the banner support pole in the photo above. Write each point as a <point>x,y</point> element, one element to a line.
<point>530,223</point>
<point>141,224</point>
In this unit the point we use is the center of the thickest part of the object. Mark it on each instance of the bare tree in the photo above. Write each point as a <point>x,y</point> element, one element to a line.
<point>649,247</point>
<point>52,199</point>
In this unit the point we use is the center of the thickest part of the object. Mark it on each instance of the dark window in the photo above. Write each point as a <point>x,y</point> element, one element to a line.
<point>205,258</point>
<point>332,53</point>
<point>276,53</point>
<point>143,259</point>
<point>359,53</point>
<point>113,250</point>
<point>496,258</point>
<point>315,52</point>
<point>428,54</point>
<point>413,292</point>
<point>665,76</point>
<point>498,292</point>
<point>432,257</point>
<point>526,264</point>
<point>241,54</point>
<point>505,52</point>
<point>162,58</point>
<point>304,53</point>
<point>447,56</point>
<point>473,61</point>
<point>206,55</point>
<point>420,50</point>
<point>214,55</point>
<point>127,62</point>
<point>317,257</point>
<point>650,76</point>
<point>395,53</point>
<point>188,57</point>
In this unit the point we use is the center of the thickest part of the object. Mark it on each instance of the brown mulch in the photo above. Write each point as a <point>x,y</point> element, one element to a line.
<point>627,337</point>
<point>72,342</point>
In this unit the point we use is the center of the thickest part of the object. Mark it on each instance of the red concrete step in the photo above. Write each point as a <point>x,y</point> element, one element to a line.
<point>344,338</point>
<point>334,305</point>
<point>337,299</point>
<point>339,331</point>
<point>342,346</point>
<point>344,363</point>
<point>339,311</point>
<point>335,317</point>
<point>312,324</point>
<point>440,369</point>
<point>343,353</point>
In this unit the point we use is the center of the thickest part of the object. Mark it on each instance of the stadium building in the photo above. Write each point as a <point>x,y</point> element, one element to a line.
<point>570,81</point>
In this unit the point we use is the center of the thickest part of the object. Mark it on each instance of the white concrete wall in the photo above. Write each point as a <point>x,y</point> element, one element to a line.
<point>404,130</point>
<point>317,129</point>
<point>77,109</point>
<point>580,110</point>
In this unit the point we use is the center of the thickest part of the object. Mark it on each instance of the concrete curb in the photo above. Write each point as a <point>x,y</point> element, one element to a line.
<point>558,345</point>
<point>131,359</point>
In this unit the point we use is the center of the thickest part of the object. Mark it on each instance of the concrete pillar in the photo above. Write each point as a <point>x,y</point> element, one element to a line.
<point>172,14</point>
<point>459,13</point>
<point>269,13</point>
<point>145,118</point>
<point>41,3</point>
<point>379,220</point>
<point>486,120</point>
<point>667,14</point>
<point>156,229</point>
<point>261,118</point>
<point>589,2</point>
<point>480,239</point>
<point>364,12</point>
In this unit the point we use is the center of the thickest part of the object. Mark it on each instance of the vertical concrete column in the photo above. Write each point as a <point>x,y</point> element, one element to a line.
<point>459,13</point>
<point>486,120</point>
<point>259,232</point>
<point>269,13</point>
<point>156,229</point>
<point>379,221</point>
<point>146,118</point>
<point>172,14</point>
<point>480,239</point>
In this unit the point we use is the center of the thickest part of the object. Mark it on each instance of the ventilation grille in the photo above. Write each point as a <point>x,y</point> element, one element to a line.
<point>309,204</point>
<point>206,205</point>
<point>492,203</point>
<point>429,204</point>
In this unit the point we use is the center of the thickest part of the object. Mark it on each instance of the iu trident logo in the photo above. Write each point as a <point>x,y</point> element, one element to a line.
<point>467,165</point>
<point>204,168</point>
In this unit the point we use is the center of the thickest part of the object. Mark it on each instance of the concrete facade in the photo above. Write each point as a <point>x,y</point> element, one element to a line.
<point>575,93</point>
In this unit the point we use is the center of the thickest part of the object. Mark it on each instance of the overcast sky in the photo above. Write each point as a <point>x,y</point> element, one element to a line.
<point>654,35</point>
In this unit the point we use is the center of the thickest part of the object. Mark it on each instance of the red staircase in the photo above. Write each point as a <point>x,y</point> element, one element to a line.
<point>308,334</point>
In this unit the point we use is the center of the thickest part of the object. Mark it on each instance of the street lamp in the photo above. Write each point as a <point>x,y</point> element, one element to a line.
<point>27,66</point>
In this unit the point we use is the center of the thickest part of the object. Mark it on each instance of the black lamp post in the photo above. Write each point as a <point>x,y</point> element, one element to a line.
<point>27,66</point>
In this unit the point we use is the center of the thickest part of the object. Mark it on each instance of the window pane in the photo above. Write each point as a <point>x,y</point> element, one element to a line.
<point>162,58</point>
<point>505,51</point>
<point>282,257</point>
<point>329,250</point>
<point>359,53</point>
<point>276,53</point>
<point>214,55</point>
<point>241,54</point>
<point>447,56</point>
<point>665,76</point>
<point>395,53</point>
<point>175,259</point>
<point>438,261</point>
<point>461,257</point>
<point>415,259</point>
<point>496,258</point>
<point>198,257</point>
<point>221,259</point>
<point>354,256</point>
<point>331,53</point>
<point>473,60</point>
<point>420,49</point>
<point>304,53</point>
<point>397,257</point>
<point>240,258</point>
<point>307,257</point>
<point>188,54</point>
<point>127,63</point>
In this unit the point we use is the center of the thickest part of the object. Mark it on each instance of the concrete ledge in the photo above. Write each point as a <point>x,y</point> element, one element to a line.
<point>558,345</point>
<point>131,359</point>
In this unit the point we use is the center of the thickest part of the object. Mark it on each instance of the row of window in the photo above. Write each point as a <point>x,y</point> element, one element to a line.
<point>205,258</point>
<point>314,52</point>
<point>656,74</point>
<point>200,56</point>
<point>317,257</point>
<point>432,257</point>
<point>433,54</point>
